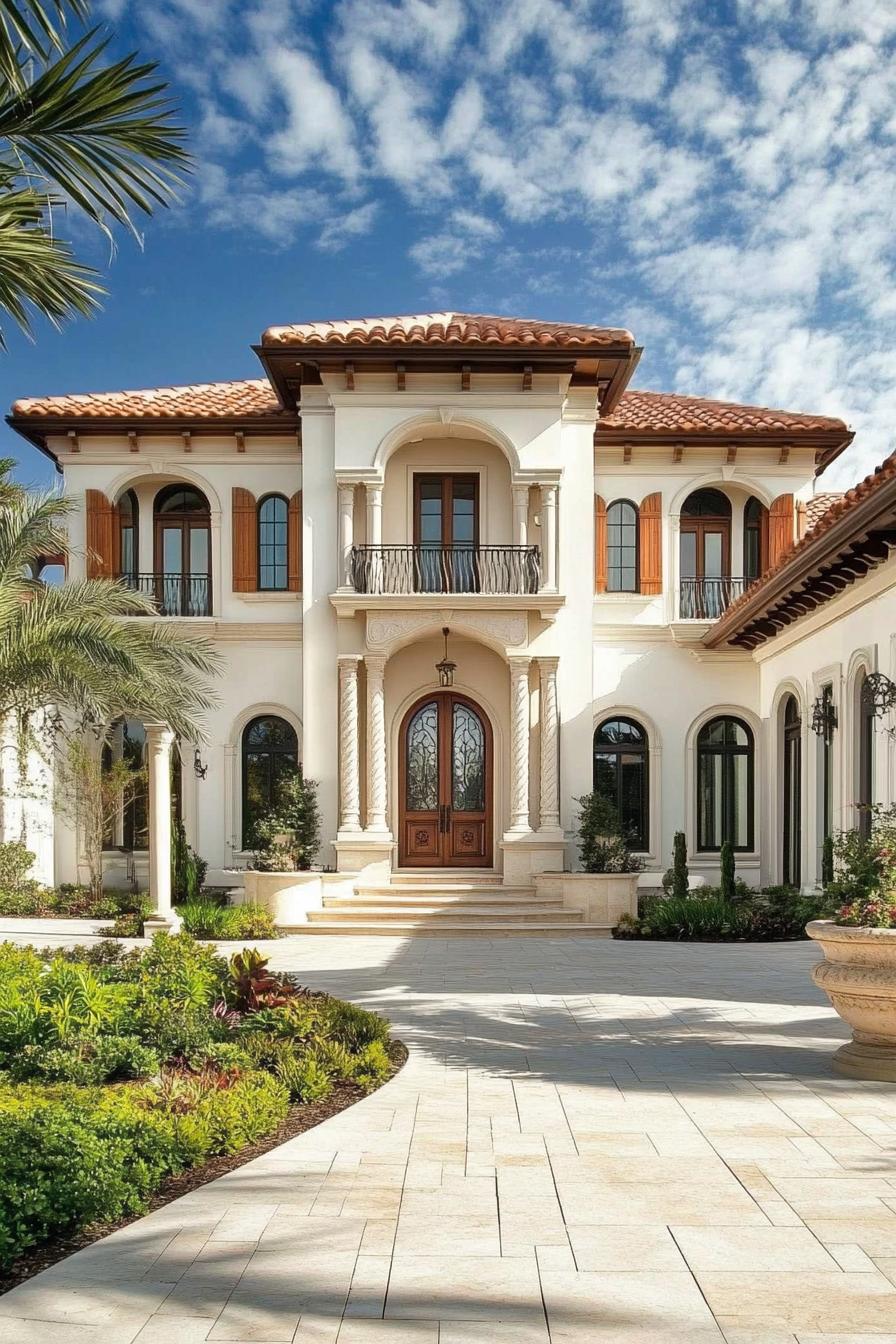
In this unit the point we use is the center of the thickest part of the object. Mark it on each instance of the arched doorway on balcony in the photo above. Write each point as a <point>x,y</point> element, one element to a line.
<point>705,554</point>
<point>182,548</point>
<point>445,772</point>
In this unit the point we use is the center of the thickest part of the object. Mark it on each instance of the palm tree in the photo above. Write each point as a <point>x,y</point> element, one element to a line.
<point>70,646</point>
<point>74,131</point>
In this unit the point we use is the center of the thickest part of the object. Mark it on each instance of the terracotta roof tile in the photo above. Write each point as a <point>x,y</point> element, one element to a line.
<point>205,401</point>
<point>662,412</point>
<point>446,329</point>
<point>818,506</point>
<point>880,477</point>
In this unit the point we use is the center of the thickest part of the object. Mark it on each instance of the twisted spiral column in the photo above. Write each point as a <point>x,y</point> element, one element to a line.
<point>349,756</point>
<point>376,743</point>
<point>519,744</point>
<point>549,781</point>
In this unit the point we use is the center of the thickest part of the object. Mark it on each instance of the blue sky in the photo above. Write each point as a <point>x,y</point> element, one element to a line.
<point>719,177</point>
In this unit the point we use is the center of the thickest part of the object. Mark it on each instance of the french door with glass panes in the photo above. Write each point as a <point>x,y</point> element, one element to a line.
<point>446,533</point>
<point>705,551</point>
<point>445,788</point>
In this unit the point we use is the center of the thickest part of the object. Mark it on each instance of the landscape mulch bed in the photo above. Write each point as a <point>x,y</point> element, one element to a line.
<point>301,1117</point>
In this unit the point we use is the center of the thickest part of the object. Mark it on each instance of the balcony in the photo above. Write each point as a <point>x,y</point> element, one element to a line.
<point>707,599</point>
<point>492,570</point>
<point>174,594</point>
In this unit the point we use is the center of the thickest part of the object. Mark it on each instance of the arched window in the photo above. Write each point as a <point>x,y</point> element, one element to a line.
<point>270,755</point>
<point>865,758</point>
<point>724,785</point>
<point>755,539</point>
<point>129,830</point>
<point>793,792</point>
<point>621,766</point>
<point>182,552</point>
<point>128,562</point>
<point>622,547</point>
<point>705,555</point>
<point>273,512</point>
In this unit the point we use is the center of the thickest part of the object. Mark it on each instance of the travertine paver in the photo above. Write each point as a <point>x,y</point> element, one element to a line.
<point>591,1141</point>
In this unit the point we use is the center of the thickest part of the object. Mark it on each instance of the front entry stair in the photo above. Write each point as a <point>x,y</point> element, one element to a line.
<point>468,904</point>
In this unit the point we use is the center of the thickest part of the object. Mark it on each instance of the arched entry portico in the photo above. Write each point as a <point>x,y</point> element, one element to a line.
<point>445,783</point>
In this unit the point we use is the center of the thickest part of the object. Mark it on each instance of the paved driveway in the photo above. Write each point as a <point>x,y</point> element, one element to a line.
<point>592,1141</point>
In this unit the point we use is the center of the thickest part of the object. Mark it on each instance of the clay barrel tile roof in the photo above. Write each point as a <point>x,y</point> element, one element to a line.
<point>204,401</point>
<point>669,412</point>
<point>440,329</point>
<point>818,505</point>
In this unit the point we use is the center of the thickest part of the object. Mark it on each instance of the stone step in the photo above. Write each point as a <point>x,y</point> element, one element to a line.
<point>433,890</point>
<point>347,910</point>
<point>460,928</point>
<point>458,900</point>
<point>437,876</point>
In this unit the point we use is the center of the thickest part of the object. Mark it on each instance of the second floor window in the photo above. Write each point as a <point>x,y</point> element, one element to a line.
<point>273,512</point>
<point>622,547</point>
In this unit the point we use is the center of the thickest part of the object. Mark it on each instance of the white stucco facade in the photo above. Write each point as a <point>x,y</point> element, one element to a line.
<point>542,661</point>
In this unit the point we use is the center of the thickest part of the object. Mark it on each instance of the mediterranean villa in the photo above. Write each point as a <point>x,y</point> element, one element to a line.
<point>463,574</point>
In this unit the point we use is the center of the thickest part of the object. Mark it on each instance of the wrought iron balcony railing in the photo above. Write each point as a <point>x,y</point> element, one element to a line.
<point>512,570</point>
<point>707,599</point>
<point>174,594</point>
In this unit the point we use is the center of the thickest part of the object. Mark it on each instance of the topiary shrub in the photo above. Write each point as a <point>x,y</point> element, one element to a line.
<point>727,885</point>
<point>679,884</point>
<point>827,861</point>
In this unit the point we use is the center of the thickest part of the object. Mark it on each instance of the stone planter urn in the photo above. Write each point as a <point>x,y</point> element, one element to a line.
<point>858,975</point>
<point>286,896</point>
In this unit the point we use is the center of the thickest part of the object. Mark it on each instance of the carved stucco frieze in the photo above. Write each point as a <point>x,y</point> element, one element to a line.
<point>387,630</point>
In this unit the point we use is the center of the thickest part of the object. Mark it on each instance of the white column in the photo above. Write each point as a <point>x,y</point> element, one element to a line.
<point>376,744</point>
<point>549,538</point>
<point>519,744</point>
<point>349,758</point>
<point>549,781</point>
<point>159,740</point>
<point>374,513</point>
<point>520,515</point>
<point>346,509</point>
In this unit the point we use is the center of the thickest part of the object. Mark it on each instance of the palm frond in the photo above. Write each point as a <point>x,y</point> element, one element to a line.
<point>102,134</point>
<point>39,272</point>
<point>34,28</point>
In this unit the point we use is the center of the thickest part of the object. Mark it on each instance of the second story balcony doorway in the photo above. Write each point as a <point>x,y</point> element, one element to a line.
<point>707,586</point>
<point>180,580</point>
<point>446,533</point>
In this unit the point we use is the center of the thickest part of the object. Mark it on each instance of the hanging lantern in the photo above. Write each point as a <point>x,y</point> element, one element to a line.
<point>445,667</point>
<point>824,717</point>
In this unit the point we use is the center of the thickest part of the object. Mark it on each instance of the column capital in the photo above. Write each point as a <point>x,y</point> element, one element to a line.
<point>547,664</point>
<point>346,659</point>
<point>159,734</point>
<point>375,663</point>
<point>519,662</point>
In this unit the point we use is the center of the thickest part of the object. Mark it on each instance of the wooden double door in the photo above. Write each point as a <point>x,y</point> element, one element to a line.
<point>445,784</point>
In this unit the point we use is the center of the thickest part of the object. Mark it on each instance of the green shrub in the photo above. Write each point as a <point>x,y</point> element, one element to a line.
<point>188,870</point>
<point>209,919</point>
<point>179,983</point>
<point>372,1065</point>
<point>602,847</point>
<point>827,861</point>
<point>287,839</point>
<point>352,1026</point>
<point>698,915</point>
<point>16,863</point>
<point>676,880</point>
<point>303,1074</point>
<point>87,1062</point>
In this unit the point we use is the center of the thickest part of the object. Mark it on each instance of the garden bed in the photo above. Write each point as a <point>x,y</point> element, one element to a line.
<point>299,1119</point>
<point>122,1071</point>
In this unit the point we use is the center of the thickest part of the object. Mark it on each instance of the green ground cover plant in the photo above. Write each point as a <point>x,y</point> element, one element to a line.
<point>119,1068</point>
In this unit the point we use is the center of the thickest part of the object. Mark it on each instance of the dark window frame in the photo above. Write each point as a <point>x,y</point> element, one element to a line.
<point>276,546</point>
<point>129,524</point>
<point>753,535</point>
<point>792,820</point>
<point>291,751</point>
<point>728,753</point>
<point>622,547</point>
<point>864,759</point>
<point>609,751</point>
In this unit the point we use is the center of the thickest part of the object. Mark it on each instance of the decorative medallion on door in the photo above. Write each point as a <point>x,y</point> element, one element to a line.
<point>445,784</point>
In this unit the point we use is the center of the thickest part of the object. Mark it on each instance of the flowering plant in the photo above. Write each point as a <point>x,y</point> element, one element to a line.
<point>873,904</point>
<point>869,912</point>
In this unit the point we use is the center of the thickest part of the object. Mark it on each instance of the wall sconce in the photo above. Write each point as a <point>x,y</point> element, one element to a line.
<point>199,769</point>
<point>445,668</point>
<point>824,717</point>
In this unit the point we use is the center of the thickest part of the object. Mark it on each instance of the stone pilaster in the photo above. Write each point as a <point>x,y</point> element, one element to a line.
<point>376,744</point>
<point>159,741</point>
<point>549,778</point>
<point>519,744</point>
<point>549,538</point>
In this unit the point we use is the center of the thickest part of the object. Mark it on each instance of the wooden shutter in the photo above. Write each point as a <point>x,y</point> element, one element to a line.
<point>100,536</point>
<point>245,541</point>
<point>780,527</point>
<point>294,544</point>
<point>600,544</point>
<point>650,543</point>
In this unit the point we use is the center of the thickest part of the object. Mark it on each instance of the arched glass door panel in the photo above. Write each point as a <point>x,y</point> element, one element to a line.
<point>705,555</point>
<point>445,784</point>
<point>182,552</point>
